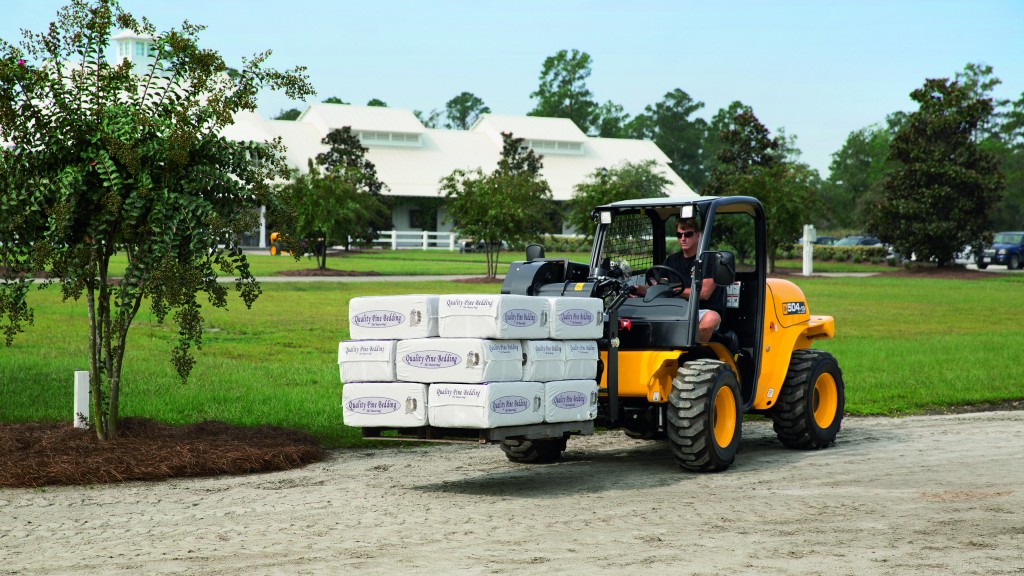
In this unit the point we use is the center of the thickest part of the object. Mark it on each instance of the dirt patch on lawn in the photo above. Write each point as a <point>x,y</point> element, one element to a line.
<point>327,272</point>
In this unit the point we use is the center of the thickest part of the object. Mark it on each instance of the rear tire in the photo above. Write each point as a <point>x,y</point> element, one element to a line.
<point>810,408</point>
<point>537,451</point>
<point>981,263</point>
<point>704,419</point>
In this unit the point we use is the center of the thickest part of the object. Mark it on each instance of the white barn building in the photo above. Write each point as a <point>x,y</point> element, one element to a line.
<point>412,159</point>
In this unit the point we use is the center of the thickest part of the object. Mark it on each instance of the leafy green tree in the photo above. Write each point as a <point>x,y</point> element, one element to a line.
<point>856,176</point>
<point>290,114</point>
<point>102,162</point>
<point>612,121</point>
<point>941,191</point>
<point>430,119</point>
<point>1010,213</point>
<point>334,100</point>
<point>670,124</point>
<point>752,163</point>
<point>463,111</point>
<point>512,203</point>
<point>563,91</point>
<point>1001,135</point>
<point>719,125</point>
<point>377,102</point>
<point>339,197</point>
<point>626,181</point>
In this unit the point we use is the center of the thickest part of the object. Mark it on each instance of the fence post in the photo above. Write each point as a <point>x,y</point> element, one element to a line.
<point>394,239</point>
<point>451,241</point>
<point>808,245</point>
<point>81,415</point>
<point>426,236</point>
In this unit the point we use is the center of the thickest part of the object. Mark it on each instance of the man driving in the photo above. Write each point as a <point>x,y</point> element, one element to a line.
<point>683,262</point>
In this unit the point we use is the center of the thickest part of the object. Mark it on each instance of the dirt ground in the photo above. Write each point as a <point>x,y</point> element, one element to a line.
<point>919,495</point>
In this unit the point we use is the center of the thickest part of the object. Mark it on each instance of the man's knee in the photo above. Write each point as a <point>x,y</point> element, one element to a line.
<point>711,320</point>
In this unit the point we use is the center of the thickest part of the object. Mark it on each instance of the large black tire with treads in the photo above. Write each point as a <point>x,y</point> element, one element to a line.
<point>704,419</point>
<point>539,451</point>
<point>809,412</point>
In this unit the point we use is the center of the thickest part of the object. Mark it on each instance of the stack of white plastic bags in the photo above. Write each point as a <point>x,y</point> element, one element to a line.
<point>470,360</point>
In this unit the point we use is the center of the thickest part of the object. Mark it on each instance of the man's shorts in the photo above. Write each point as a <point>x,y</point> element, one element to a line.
<point>701,317</point>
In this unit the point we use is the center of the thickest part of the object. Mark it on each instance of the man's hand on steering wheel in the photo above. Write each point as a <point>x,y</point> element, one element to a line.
<point>670,274</point>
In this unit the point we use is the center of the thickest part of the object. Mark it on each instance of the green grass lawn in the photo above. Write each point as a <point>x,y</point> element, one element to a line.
<point>905,345</point>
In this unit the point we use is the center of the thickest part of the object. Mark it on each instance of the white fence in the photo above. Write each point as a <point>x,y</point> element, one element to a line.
<point>411,239</point>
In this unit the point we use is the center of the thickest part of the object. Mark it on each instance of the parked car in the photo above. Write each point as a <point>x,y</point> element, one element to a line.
<point>826,240</point>
<point>469,245</point>
<point>1007,249</point>
<point>859,241</point>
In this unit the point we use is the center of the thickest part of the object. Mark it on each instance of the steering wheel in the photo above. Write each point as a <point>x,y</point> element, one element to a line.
<point>652,279</point>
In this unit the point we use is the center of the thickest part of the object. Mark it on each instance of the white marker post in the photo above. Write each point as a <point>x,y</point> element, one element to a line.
<point>81,416</point>
<point>808,244</point>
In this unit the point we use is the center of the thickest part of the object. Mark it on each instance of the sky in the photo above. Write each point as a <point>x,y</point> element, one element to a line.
<point>816,69</point>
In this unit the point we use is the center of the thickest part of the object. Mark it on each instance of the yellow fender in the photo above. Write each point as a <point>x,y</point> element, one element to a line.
<point>788,326</point>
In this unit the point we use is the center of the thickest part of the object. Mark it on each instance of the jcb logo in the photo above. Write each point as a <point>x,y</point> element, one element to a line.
<point>795,308</point>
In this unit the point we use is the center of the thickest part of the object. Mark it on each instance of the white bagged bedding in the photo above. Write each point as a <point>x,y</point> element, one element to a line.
<point>490,405</point>
<point>505,316</point>
<point>581,357</point>
<point>366,360</point>
<point>459,360</point>
<point>576,318</point>
<point>544,360</point>
<point>570,400</point>
<point>393,317</point>
<point>384,404</point>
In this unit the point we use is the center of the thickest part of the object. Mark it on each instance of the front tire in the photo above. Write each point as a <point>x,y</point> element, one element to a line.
<point>537,451</point>
<point>981,263</point>
<point>1014,263</point>
<point>810,408</point>
<point>704,418</point>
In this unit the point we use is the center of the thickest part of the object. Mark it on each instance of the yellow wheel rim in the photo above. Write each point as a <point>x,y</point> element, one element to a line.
<point>724,417</point>
<point>825,401</point>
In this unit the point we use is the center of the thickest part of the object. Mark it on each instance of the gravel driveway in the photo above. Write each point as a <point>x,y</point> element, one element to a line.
<point>921,495</point>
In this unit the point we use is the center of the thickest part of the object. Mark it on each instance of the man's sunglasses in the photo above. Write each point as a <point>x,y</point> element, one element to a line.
<point>687,234</point>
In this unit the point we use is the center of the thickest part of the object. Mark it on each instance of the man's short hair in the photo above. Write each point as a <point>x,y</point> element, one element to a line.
<point>687,224</point>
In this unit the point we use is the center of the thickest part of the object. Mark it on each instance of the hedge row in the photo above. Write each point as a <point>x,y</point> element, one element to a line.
<point>855,254</point>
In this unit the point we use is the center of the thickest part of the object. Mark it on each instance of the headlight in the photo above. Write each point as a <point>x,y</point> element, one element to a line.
<point>1002,251</point>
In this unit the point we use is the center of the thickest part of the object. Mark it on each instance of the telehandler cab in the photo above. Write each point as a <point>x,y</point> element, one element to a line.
<point>657,380</point>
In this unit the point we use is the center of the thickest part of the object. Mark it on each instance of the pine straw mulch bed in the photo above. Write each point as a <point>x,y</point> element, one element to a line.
<point>33,455</point>
<point>326,272</point>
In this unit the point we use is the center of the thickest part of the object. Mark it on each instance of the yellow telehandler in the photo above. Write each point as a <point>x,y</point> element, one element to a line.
<point>657,380</point>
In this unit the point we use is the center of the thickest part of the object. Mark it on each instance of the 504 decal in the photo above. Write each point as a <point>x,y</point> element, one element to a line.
<point>795,307</point>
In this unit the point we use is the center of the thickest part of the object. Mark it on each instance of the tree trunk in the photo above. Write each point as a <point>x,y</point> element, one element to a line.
<point>95,368</point>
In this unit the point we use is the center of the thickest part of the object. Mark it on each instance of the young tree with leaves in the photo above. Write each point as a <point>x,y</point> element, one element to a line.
<point>512,203</point>
<point>463,111</point>
<point>340,196</point>
<point>563,91</point>
<point>103,161</point>
<point>943,186</point>
<point>626,181</point>
<point>856,177</point>
<point>670,124</point>
<point>751,163</point>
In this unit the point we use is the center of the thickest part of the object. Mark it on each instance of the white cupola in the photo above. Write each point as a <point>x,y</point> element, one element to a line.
<point>136,48</point>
